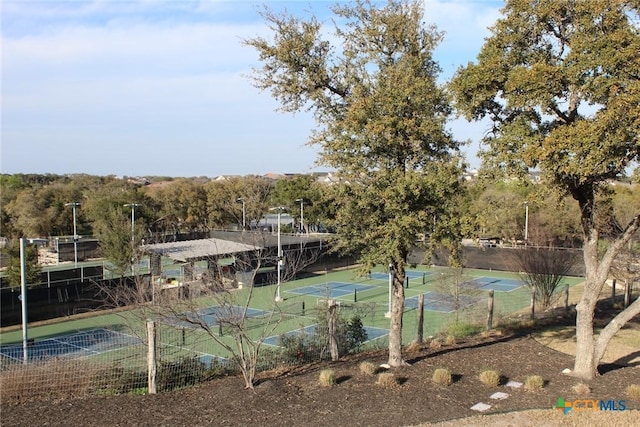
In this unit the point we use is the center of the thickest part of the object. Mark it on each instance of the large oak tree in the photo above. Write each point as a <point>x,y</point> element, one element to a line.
<point>560,80</point>
<point>381,120</point>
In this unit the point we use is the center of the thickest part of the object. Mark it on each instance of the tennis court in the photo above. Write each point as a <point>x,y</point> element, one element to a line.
<point>373,333</point>
<point>443,303</point>
<point>331,289</point>
<point>408,273</point>
<point>487,283</point>
<point>81,344</point>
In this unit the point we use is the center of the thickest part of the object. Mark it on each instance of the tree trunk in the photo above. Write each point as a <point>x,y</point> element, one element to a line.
<point>397,310</point>
<point>612,328</point>
<point>589,352</point>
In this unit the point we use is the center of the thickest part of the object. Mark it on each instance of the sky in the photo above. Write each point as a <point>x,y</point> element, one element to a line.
<point>162,88</point>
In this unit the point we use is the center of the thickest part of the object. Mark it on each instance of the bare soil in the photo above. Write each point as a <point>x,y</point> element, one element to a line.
<point>294,397</point>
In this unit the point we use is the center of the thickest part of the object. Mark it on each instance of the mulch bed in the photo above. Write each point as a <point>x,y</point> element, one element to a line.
<point>294,397</point>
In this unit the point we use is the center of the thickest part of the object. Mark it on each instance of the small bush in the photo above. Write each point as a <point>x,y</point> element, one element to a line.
<point>451,340</point>
<point>462,330</point>
<point>442,376</point>
<point>633,392</point>
<point>582,389</point>
<point>327,378</point>
<point>435,344</point>
<point>386,379</point>
<point>533,383</point>
<point>414,347</point>
<point>181,373</point>
<point>490,378</point>
<point>368,368</point>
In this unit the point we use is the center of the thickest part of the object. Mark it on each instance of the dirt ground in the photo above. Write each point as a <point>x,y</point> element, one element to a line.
<point>294,397</point>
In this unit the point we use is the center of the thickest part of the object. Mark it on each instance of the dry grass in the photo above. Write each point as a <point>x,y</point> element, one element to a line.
<point>534,383</point>
<point>414,347</point>
<point>490,377</point>
<point>633,392</point>
<point>450,340</point>
<point>435,344</point>
<point>582,389</point>
<point>327,378</point>
<point>368,368</point>
<point>442,376</point>
<point>387,379</point>
<point>55,378</point>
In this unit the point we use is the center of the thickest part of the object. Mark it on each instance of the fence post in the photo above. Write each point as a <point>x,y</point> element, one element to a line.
<point>566,298</point>
<point>490,311</point>
<point>333,343</point>
<point>627,293</point>
<point>420,337</point>
<point>151,356</point>
<point>613,292</point>
<point>533,303</point>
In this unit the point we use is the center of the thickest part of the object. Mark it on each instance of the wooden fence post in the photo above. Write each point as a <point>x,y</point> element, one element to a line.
<point>613,292</point>
<point>490,311</point>
<point>151,356</point>
<point>627,293</point>
<point>533,303</point>
<point>333,343</point>
<point>420,337</point>
<point>566,299</point>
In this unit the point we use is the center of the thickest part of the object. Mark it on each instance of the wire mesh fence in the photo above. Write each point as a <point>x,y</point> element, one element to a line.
<point>113,361</point>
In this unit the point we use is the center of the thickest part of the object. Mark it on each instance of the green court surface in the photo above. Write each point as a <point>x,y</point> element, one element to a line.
<point>302,302</point>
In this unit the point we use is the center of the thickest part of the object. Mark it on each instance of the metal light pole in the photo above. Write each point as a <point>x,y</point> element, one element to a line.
<point>279,210</point>
<point>526,222</point>
<point>301,201</point>
<point>388,313</point>
<point>74,205</point>
<point>244,217</point>
<point>133,207</point>
<point>23,298</point>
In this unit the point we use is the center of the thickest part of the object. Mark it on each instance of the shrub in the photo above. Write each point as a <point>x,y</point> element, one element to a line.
<point>414,347</point>
<point>442,376</point>
<point>181,373</point>
<point>534,383</point>
<point>435,344</point>
<point>490,377</point>
<point>327,377</point>
<point>368,368</point>
<point>386,379</point>
<point>462,330</point>
<point>304,348</point>
<point>633,392</point>
<point>582,389</point>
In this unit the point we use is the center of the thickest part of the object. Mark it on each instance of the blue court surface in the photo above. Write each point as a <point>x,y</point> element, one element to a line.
<point>497,284</point>
<point>331,289</point>
<point>373,333</point>
<point>81,344</point>
<point>444,303</point>
<point>409,273</point>
<point>215,315</point>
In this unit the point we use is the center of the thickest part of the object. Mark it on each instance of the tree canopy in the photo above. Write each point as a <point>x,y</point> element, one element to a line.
<point>381,120</point>
<point>560,82</point>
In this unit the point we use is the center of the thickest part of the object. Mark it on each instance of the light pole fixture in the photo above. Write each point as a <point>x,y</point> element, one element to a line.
<point>279,210</point>
<point>74,205</point>
<point>526,222</point>
<point>133,207</point>
<point>301,201</point>
<point>244,215</point>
